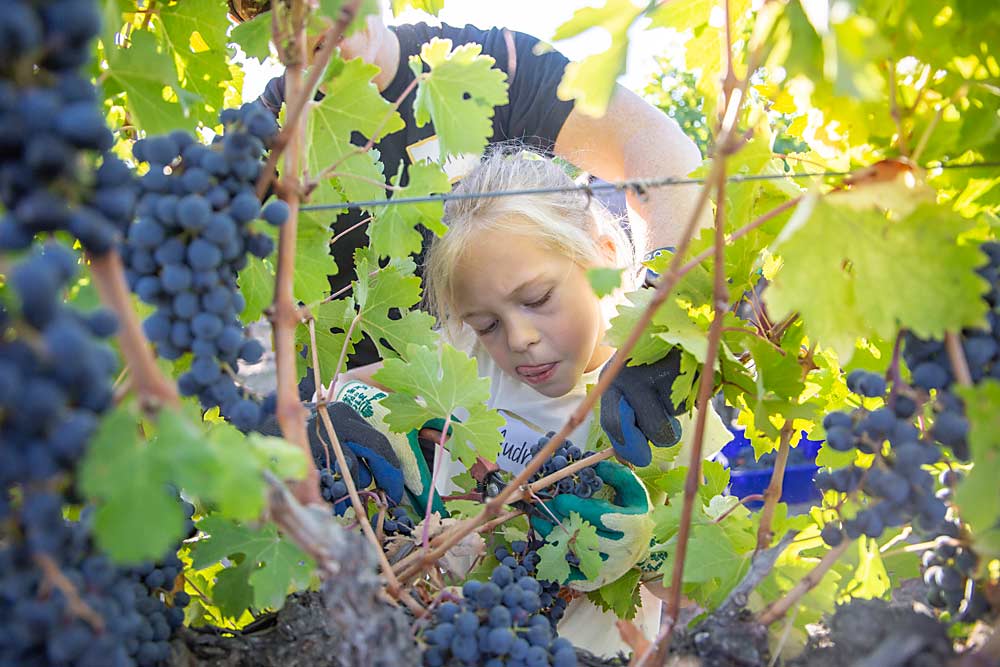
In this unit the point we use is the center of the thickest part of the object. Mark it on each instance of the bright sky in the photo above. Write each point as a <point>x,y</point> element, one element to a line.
<point>535,17</point>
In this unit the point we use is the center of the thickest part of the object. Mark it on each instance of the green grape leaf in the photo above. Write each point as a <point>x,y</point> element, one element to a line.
<point>716,479</point>
<point>977,495</point>
<point>458,95</point>
<point>333,319</point>
<point>430,6</point>
<point>437,382</point>
<point>591,81</point>
<point>620,597</point>
<point>377,294</point>
<point>256,283</point>
<point>682,14</point>
<point>575,536</point>
<point>853,273</point>
<point>195,36</point>
<point>331,10</point>
<point>394,232</point>
<point>716,552</point>
<point>143,71</point>
<point>352,104</point>
<point>313,262</point>
<point>123,474</point>
<point>604,280</point>
<point>254,36</point>
<point>869,579</point>
<point>270,564</point>
<point>650,347</point>
<point>136,517</point>
<point>224,466</point>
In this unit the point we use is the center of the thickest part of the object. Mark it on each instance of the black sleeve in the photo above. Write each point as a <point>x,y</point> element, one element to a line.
<point>535,115</point>
<point>274,95</point>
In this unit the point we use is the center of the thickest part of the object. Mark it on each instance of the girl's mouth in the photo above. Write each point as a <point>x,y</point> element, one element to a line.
<point>537,374</point>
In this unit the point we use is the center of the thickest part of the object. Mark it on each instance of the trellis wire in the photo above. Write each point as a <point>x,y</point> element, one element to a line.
<point>638,186</point>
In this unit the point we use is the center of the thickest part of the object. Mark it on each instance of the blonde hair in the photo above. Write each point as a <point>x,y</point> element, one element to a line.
<point>571,223</point>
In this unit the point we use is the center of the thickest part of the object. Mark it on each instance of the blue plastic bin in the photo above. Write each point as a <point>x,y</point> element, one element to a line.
<point>797,486</point>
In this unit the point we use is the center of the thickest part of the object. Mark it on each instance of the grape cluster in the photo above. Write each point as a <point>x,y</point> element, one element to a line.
<point>398,522</point>
<point>898,480</point>
<point>52,129</point>
<point>522,559</point>
<point>118,618</point>
<point>55,372</point>
<point>332,486</point>
<point>498,622</point>
<point>583,483</point>
<point>191,238</point>
<point>950,575</point>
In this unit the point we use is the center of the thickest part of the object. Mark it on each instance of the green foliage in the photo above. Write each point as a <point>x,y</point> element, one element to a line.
<point>267,565</point>
<point>854,262</point>
<point>575,536</point>
<point>977,494</point>
<point>458,95</point>
<point>430,6</point>
<point>394,232</point>
<point>620,597</point>
<point>435,383</point>
<point>254,36</point>
<point>591,81</point>
<point>127,476</point>
<point>604,281</point>
<point>173,69</point>
<point>829,276</point>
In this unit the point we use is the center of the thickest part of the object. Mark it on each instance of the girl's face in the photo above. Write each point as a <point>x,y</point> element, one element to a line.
<point>533,310</point>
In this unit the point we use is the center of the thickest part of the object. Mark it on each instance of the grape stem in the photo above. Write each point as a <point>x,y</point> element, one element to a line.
<point>359,508</point>
<point>317,380</point>
<point>734,91</point>
<point>740,503</point>
<point>760,566</point>
<point>340,360</point>
<point>897,117</point>
<point>53,577</point>
<point>705,390</point>
<point>959,364</point>
<point>892,374</point>
<point>774,488</point>
<point>779,608</point>
<point>154,389</point>
<point>290,412</point>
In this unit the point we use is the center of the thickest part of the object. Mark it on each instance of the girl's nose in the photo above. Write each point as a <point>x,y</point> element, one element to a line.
<point>521,335</point>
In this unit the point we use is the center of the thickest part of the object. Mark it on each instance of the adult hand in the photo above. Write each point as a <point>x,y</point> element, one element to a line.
<point>624,523</point>
<point>636,409</point>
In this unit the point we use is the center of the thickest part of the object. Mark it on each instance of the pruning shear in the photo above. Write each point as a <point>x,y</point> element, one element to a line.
<point>489,484</point>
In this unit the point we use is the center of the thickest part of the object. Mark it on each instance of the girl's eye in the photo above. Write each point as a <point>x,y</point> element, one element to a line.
<point>491,327</point>
<point>542,301</point>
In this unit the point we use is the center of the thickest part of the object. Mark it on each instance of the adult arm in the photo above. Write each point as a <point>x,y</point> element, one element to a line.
<point>632,140</point>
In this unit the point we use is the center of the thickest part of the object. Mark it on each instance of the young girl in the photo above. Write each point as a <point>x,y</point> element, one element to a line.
<point>508,284</point>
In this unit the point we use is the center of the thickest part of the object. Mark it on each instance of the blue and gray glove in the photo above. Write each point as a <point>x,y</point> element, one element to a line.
<point>636,409</point>
<point>365,447</point>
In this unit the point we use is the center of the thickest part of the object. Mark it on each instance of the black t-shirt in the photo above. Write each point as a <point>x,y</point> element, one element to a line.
<point>533,115</point>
